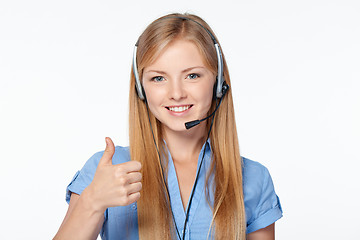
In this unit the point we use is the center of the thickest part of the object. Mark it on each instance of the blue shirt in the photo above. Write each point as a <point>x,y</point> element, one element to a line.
<point>262,205</point>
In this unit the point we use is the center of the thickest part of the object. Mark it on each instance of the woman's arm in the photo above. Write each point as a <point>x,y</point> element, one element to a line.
<point>267,233</point>
<point>81,221</point>
<point>112,185</point>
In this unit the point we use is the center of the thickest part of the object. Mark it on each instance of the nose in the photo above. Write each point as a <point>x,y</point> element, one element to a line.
<point>176,90</point>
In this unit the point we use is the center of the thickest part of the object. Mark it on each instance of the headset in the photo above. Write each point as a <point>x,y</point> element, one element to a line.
<point>221,86</point>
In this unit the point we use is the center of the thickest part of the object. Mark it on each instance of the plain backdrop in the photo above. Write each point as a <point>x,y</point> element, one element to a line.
<point>295,71</point>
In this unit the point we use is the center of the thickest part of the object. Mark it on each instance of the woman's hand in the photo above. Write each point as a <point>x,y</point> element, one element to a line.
<point>114,185</point>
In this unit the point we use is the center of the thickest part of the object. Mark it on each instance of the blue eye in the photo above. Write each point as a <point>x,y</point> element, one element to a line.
<point>157,79</point>
<point>192,76</point>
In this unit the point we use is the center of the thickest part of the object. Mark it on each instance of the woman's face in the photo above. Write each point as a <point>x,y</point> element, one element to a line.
<point>178,86</point>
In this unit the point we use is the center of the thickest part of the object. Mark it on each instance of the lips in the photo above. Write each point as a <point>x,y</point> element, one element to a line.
<point>179,109</point>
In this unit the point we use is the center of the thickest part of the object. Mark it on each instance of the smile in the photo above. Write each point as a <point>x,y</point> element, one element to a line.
<point>179,109</point>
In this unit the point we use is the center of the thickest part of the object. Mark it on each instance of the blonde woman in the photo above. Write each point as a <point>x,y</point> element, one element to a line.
<point>180,178</point>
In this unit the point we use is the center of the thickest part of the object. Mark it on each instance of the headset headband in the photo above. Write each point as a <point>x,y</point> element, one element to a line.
<point>219,77</point>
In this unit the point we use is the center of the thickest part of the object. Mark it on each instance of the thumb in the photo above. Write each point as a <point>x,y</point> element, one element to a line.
<point>108,153</point>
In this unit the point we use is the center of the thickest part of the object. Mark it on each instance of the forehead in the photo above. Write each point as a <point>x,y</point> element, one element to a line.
<point>179,54</point>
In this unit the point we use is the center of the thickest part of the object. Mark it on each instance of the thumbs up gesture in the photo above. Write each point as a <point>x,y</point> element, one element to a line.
<point>114,185</point>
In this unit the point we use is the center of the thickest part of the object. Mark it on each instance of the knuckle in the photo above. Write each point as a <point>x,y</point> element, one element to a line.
<point>126,201</point>
<point>122,180</point>
<point>137,164</point>
<point>119,171</point>
<point>140,175</point>
<point>120,168</point>
<point>137,196</point>
<point>123,193</point>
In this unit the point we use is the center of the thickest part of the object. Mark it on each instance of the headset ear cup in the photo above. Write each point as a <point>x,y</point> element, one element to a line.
<point>223,88</point>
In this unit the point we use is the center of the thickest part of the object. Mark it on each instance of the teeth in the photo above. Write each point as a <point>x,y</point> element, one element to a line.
<point>179,109</point>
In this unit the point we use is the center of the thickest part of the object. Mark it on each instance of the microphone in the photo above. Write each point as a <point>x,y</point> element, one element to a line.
<point>191,124</point>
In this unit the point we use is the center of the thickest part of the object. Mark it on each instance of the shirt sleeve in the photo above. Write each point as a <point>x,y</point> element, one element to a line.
<point>261,202</point>
<point>83,177</point>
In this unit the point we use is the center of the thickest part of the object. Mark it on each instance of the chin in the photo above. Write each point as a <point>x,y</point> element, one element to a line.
<point>174,126</point>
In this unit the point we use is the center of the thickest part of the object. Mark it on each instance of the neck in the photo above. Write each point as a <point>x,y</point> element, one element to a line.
<point>185,146</point>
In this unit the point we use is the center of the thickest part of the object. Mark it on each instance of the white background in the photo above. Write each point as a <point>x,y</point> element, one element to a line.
<point>295,69</point>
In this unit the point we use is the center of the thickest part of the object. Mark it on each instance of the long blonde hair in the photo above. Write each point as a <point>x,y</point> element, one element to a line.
<point>154,215</point>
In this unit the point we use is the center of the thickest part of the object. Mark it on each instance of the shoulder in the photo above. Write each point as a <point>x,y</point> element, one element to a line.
<point>251,167</point>
<point>262,205</point>
<point>254,174</point>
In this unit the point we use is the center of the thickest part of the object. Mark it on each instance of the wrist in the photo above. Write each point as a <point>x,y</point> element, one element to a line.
<point>89,202</point>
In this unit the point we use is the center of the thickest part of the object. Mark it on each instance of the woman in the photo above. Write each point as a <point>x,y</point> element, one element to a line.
<point>174,182</point>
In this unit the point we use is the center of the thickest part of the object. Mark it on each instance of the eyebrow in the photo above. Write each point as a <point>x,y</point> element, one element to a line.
<point>183,71</point>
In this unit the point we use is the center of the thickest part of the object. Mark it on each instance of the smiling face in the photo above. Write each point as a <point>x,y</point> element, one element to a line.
<point>178,86</point>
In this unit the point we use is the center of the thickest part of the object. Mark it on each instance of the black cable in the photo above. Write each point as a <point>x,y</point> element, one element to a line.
<point>197,174</point>
<point>162,171</point>
<point>197,177</point>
